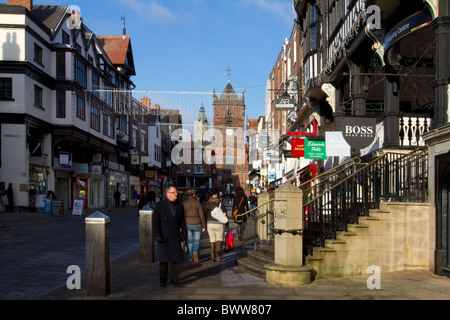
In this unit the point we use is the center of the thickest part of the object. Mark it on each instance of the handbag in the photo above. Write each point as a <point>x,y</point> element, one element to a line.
<point>219,215</point>
<point>235,212</point>
<point>184,245</point>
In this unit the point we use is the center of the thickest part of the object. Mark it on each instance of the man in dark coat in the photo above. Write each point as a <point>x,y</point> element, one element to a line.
<point>169,226</point>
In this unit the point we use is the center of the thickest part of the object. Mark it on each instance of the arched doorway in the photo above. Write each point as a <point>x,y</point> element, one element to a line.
<point>443,215</point>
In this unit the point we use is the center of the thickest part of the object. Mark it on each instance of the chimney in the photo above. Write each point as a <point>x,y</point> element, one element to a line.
<point>24,3</point>
<point>145,101</point>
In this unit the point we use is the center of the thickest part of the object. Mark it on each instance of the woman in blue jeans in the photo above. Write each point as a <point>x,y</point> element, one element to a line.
<point>195,222</point>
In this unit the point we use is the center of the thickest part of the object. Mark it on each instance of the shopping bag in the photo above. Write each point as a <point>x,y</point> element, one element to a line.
<point>229,242</point>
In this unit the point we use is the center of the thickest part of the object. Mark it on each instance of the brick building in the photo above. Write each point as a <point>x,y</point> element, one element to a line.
<point>229,132</point>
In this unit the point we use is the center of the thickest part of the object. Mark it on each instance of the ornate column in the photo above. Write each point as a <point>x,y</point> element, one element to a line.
<point>441,27</point>
<point>391,100</point>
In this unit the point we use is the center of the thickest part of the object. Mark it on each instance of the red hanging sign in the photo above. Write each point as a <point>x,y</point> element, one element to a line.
<point>303,133</point>
<point>297,147</point>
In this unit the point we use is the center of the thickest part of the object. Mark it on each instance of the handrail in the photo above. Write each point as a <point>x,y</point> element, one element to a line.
<point>281,231</point>
<point>247,212</point>
<point>361,169</point>
<point>330,170</point>
<point>390,175</point>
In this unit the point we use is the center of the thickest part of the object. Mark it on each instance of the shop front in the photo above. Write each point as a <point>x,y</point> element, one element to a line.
<point>117,181</point>
<point>37,186</point>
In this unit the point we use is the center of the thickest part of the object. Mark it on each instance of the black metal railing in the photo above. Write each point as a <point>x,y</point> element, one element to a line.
<point>390,177</point>
<point>255,225</point>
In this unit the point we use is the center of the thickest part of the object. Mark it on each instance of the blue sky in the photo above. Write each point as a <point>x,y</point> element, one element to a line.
<point>187,45</point>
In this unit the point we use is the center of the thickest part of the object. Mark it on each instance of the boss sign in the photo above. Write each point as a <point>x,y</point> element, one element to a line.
<point>359,132</point>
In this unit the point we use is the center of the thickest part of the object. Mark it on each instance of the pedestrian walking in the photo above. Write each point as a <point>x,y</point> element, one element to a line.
<point>10,197</point>
<point>195,222</point>
<point>215,227</point>
<point>141,200</point>
<point>117,198</point>
<point>151,197</point>
<point>123,199</point>
<point>169,228</point>
<point>241,204</point>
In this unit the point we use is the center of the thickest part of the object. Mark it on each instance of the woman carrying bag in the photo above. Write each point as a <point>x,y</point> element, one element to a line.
<point>214,226</point>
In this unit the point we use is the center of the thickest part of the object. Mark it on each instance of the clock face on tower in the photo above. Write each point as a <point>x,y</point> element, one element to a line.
<point>229,132</point>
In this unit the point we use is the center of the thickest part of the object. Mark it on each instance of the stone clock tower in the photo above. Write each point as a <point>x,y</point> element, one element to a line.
<point>229,121</point>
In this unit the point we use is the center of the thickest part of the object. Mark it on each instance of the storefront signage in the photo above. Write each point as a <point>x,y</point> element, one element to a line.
<point>96,168</point>
<point>81,167</point>
<point>315,149</point>
<point>65,160</point>
<point>359,132</point>
<point>413,23</point>
<point>134,159</point>
<point>297,147</point>
<point>77,209</point>
<point>284,102</point>
<point>149,174</point>
<point>336,144</point>
<point>350,20</point>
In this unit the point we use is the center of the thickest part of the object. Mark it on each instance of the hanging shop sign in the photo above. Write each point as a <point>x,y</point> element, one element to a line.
<point>309,130</point>
<point>297,147</point>
<point>284,102</point>
<point>315,149</point>
<point>336,144</point>
<point>415,22</point>
<point>359,132</point>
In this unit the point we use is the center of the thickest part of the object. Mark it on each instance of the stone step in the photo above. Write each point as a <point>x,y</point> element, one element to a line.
<point>260,257</point>
<point>247,265</point>
<point>267,249</point>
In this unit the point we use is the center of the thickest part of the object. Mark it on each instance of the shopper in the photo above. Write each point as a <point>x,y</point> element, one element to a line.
<point>196,224</point>
<point>10,196</point>
<point>215,228</point>
<point>169,228</point>
<point>240,203</point>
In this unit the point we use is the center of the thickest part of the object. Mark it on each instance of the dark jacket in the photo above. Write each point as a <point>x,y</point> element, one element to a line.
<point>242,208</point>
<point>193,212</point>
<point>166,230</point>
<point>209,206</point>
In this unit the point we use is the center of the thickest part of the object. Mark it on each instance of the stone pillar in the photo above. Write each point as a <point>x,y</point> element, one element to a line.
<point>441,27</point>
<point>263,200</point>
<point>146,245</point>
<point>288,269</point>
<point>97,255</point>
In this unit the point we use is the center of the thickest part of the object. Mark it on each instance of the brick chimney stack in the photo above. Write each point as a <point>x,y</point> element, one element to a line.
<point>24,3</point>
<point>145,101</point>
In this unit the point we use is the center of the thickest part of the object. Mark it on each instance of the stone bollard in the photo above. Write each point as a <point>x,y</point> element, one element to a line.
<point>288,269</point>
<point>264,198</point>
<point>146,240</point>
<point>97,255</point>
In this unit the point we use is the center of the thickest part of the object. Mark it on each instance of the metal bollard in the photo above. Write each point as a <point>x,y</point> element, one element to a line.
<point>97,255</point>
<point>146,245</point>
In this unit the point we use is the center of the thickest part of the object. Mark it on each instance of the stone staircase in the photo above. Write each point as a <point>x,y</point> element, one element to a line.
<point>394,237</point>
<point>256,260</point>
